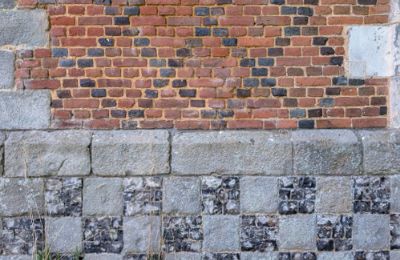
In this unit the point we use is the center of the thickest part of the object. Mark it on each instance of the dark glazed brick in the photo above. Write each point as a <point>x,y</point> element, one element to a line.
<point>316,112</point>
<point>333,91</point>
<point>167,73</point>
<point>302,20</point>
<point>22,236</point>
<point>243,93</point>
<point>275,52</point>
<point>224,2</point>
<point>251,82</point>
<point>187,92</point>
<point>179,83</point>
<point>158,62</point>
<point>327,51</point>
<point>209,21</point>
<point>309,31</point>
<point>183,52</point>
<point>220,195</point>
<point>291,31</point>
<point>288,10</point>
<point>103,234</point>
<point>59,52</point>
<point>341,81</point>
<point>383,111</point>
<point>356,82</point>
<point>118,113</point>
<point>99,93</point>
<point>282,41</point>
<point>367,2</point>
<point>142,196</point>
<point>225,113</point>
<point>297,256</point>
<point>197,103</point>
<point>229,42</point>
<point>106,42</point>
<point>320,40</point>
<point>336,61</point>
<point>192,43</point>
<point>247,62</point>
<point>371,195</point>
<point>149,52</point>
<point>334,233</point>
<point>307,11</point>
<point>68,63</point>
<point>268,82</point>
<point>109,103</point>
<point>132,10</point>
<point>277,2</point>
<point>379,255</point>
<point>202,31</point>
<point>151,93</point>
<point>96,52</point>
<point>136,113</point>
<point>112,10</point>
<point>63,197</point>
<point>297,195</point>
<point>306,124</point>
<point>175,62</point>
<point>130,32</point>
<point>220,32</point>
<point>121,20</point>
<point>279,92</point>
<point>87,83</point>
<point>141,42</point>
<point>255,72</point>
<point>297,113</point>
<point>160,83</point>
<point>102,2</point>
<point>327,102</point>
<point>64,94</point>
<point>209,114</point>
<point>259,233</point>
<point>182,234</point>
<point>85,63</point>
<point>202,11</point>
<point>266,62</point>
<point>311,2</point>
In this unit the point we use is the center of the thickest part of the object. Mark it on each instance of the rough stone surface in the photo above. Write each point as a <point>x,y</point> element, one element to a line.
<point>297,232</point>
<point>258,194</point>
<point>221,233</point>
<point>334,232</point>
<point>296,195</point>
<point>297,255</point>
<point>24,27</point>
<point>259,256</point>
<point>381,146</point>
<point>181,195</point>
<point>334,195</point>
<point>63,197</point>
<point>21,197</point>
<point>119,153</point>
<point>7,4</point>
<point>142,234</point>
<point>24,109</point>
<point>380,255</point>
<point>2,138</point>
<point>394,254</point>
<point>103,257</point>
<point>394,92</point>
<point>371,232</point>
<point>378,50</point>
<point>259,233</point>
<point>326,152</point>
<point>395,231</point>
<point>64,235</point>
<point>216,256</point>
<point>16,257</point>
<point>183,256</point>
<point>336,256</point>
<point>39,153</point>
<point>102,197</point>
<point>231,152</point>
<point>371,194</point>
<point>6,68</point>
<point>220,195</point>
<point>395,194</point>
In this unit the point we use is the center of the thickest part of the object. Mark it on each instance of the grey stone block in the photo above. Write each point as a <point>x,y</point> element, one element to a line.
<point>21,197</point>
<point>381,151</point>
<point>395,194</point>
<point>119,153</point>
<point>16,257</point>
<point>40,153</point>
<point>64,235</point>
<point>103,257</point>
<point>7,4</point>
<point>326,152</point>
<point>183,256</point>
<point>24,27</point>
<point>259,194</point>
<point>394,255</point>
<point>7,59</point>
<point>2,138</point>
<point>142,234</point>
<point>259,256</point>
<point>181,195</point>
<point>371,231</point>
<point>336,256</point>
<point>334,195</point>
<point>297,232</point>
<point>102,197</point>
<point>221,233</point>
<point>232,152</point>
<point>24,109</point>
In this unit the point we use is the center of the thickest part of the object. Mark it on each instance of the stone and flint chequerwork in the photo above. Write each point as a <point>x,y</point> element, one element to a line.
<point>185,195</point>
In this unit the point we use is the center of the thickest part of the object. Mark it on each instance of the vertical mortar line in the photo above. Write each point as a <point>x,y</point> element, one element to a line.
<point>292,147</point>
<point>170,136</point>
<point>90,156</point>
<point>361,145</point>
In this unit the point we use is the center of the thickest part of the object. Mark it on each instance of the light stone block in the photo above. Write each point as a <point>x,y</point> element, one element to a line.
<point>297,232</point>
<point>7,4</point>
<point>221,233</point>
<point>142,234</point>
<point>371,232</point>
<point>7,59</point>
<point>394,255</point>
<point>183,256</point>
<point>181,195</point>
<point>16,257</point>
<point>259,256</point>
<point>120,153</point>
<point>24,109</point>
<point>326,152</point>
<point>395,194</point>
<point>27,28</point>
<point>372,59</point>
<point>64,235</point>
<point>334,195</point>
<point>232,152</point>
<point>381,151</point>
<point>21,197</point>
<point>40,153</point>
<point>394,93</point>
<point>102,257</point>
<point>102,197</point>
<point>259,194</point>
<point>336,256</point>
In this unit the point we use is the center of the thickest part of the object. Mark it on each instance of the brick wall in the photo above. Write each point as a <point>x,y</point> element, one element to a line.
<point>204,64</point>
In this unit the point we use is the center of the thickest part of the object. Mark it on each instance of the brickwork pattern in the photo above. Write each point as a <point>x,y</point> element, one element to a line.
<point>196,64</point>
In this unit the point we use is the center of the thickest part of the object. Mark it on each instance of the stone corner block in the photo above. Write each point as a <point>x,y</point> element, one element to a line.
<point>28,28</point>
<point>259,194</point>
<point>221,233</point>
<point>381,151</point>
<point>334,195</point>
<point>326,152</point>
<point>20,197</point>
<point>40,153</point>
<point>232,152</point>
<point>371,232</point>
<point>29,109</point>
<point>7,61</point>
<point>102,197</point>
<point>378,50</point>
<point>297,232</point>
<point>64,235</point>
<point>120,153</point>
<point>182,195</point>
<point>142,234</point>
